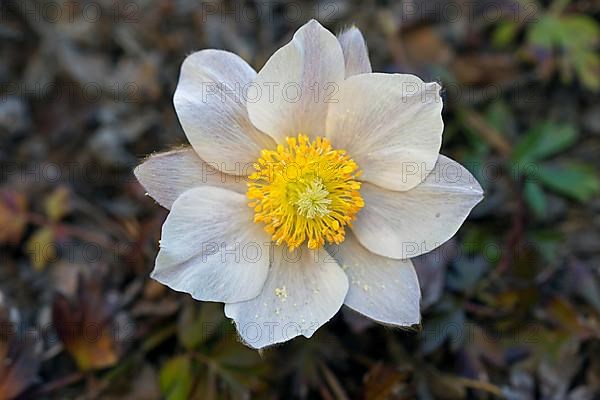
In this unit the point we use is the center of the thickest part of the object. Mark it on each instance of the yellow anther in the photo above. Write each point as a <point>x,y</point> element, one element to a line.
<point>305,191</point>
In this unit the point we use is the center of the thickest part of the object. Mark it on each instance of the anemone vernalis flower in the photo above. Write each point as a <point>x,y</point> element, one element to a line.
<point>310,190</point>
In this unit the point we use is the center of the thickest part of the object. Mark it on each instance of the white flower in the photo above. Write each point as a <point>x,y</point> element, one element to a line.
<point>342,172</point>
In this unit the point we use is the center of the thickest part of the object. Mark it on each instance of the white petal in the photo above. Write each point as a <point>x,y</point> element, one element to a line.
<point>356,56</point>
<point>304,290</point>
<point>211,249</point>
<point>406,224</point>
<point>297,83</point>
<point>390,124</point>
<point>167,175</point>
<point>381,288</point>
<point>211,105</point>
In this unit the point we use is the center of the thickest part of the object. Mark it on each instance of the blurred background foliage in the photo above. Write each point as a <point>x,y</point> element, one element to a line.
<point>511,305</point>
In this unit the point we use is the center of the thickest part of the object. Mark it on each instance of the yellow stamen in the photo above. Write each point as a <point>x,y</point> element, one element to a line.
<point>305,191</point>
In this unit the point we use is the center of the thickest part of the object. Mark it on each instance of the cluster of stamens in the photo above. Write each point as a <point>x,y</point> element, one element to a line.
<point>305,191</point>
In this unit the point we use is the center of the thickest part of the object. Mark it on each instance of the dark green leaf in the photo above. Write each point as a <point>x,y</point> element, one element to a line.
<point>543,141</point>
<point>500,116</point>
<point>176,378</point>
<point>578,31</point>
<point>505,33</point>
<point>547,244</point>
<point>575,181</point>
<point>535,197</point>
<point>545,32</point>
